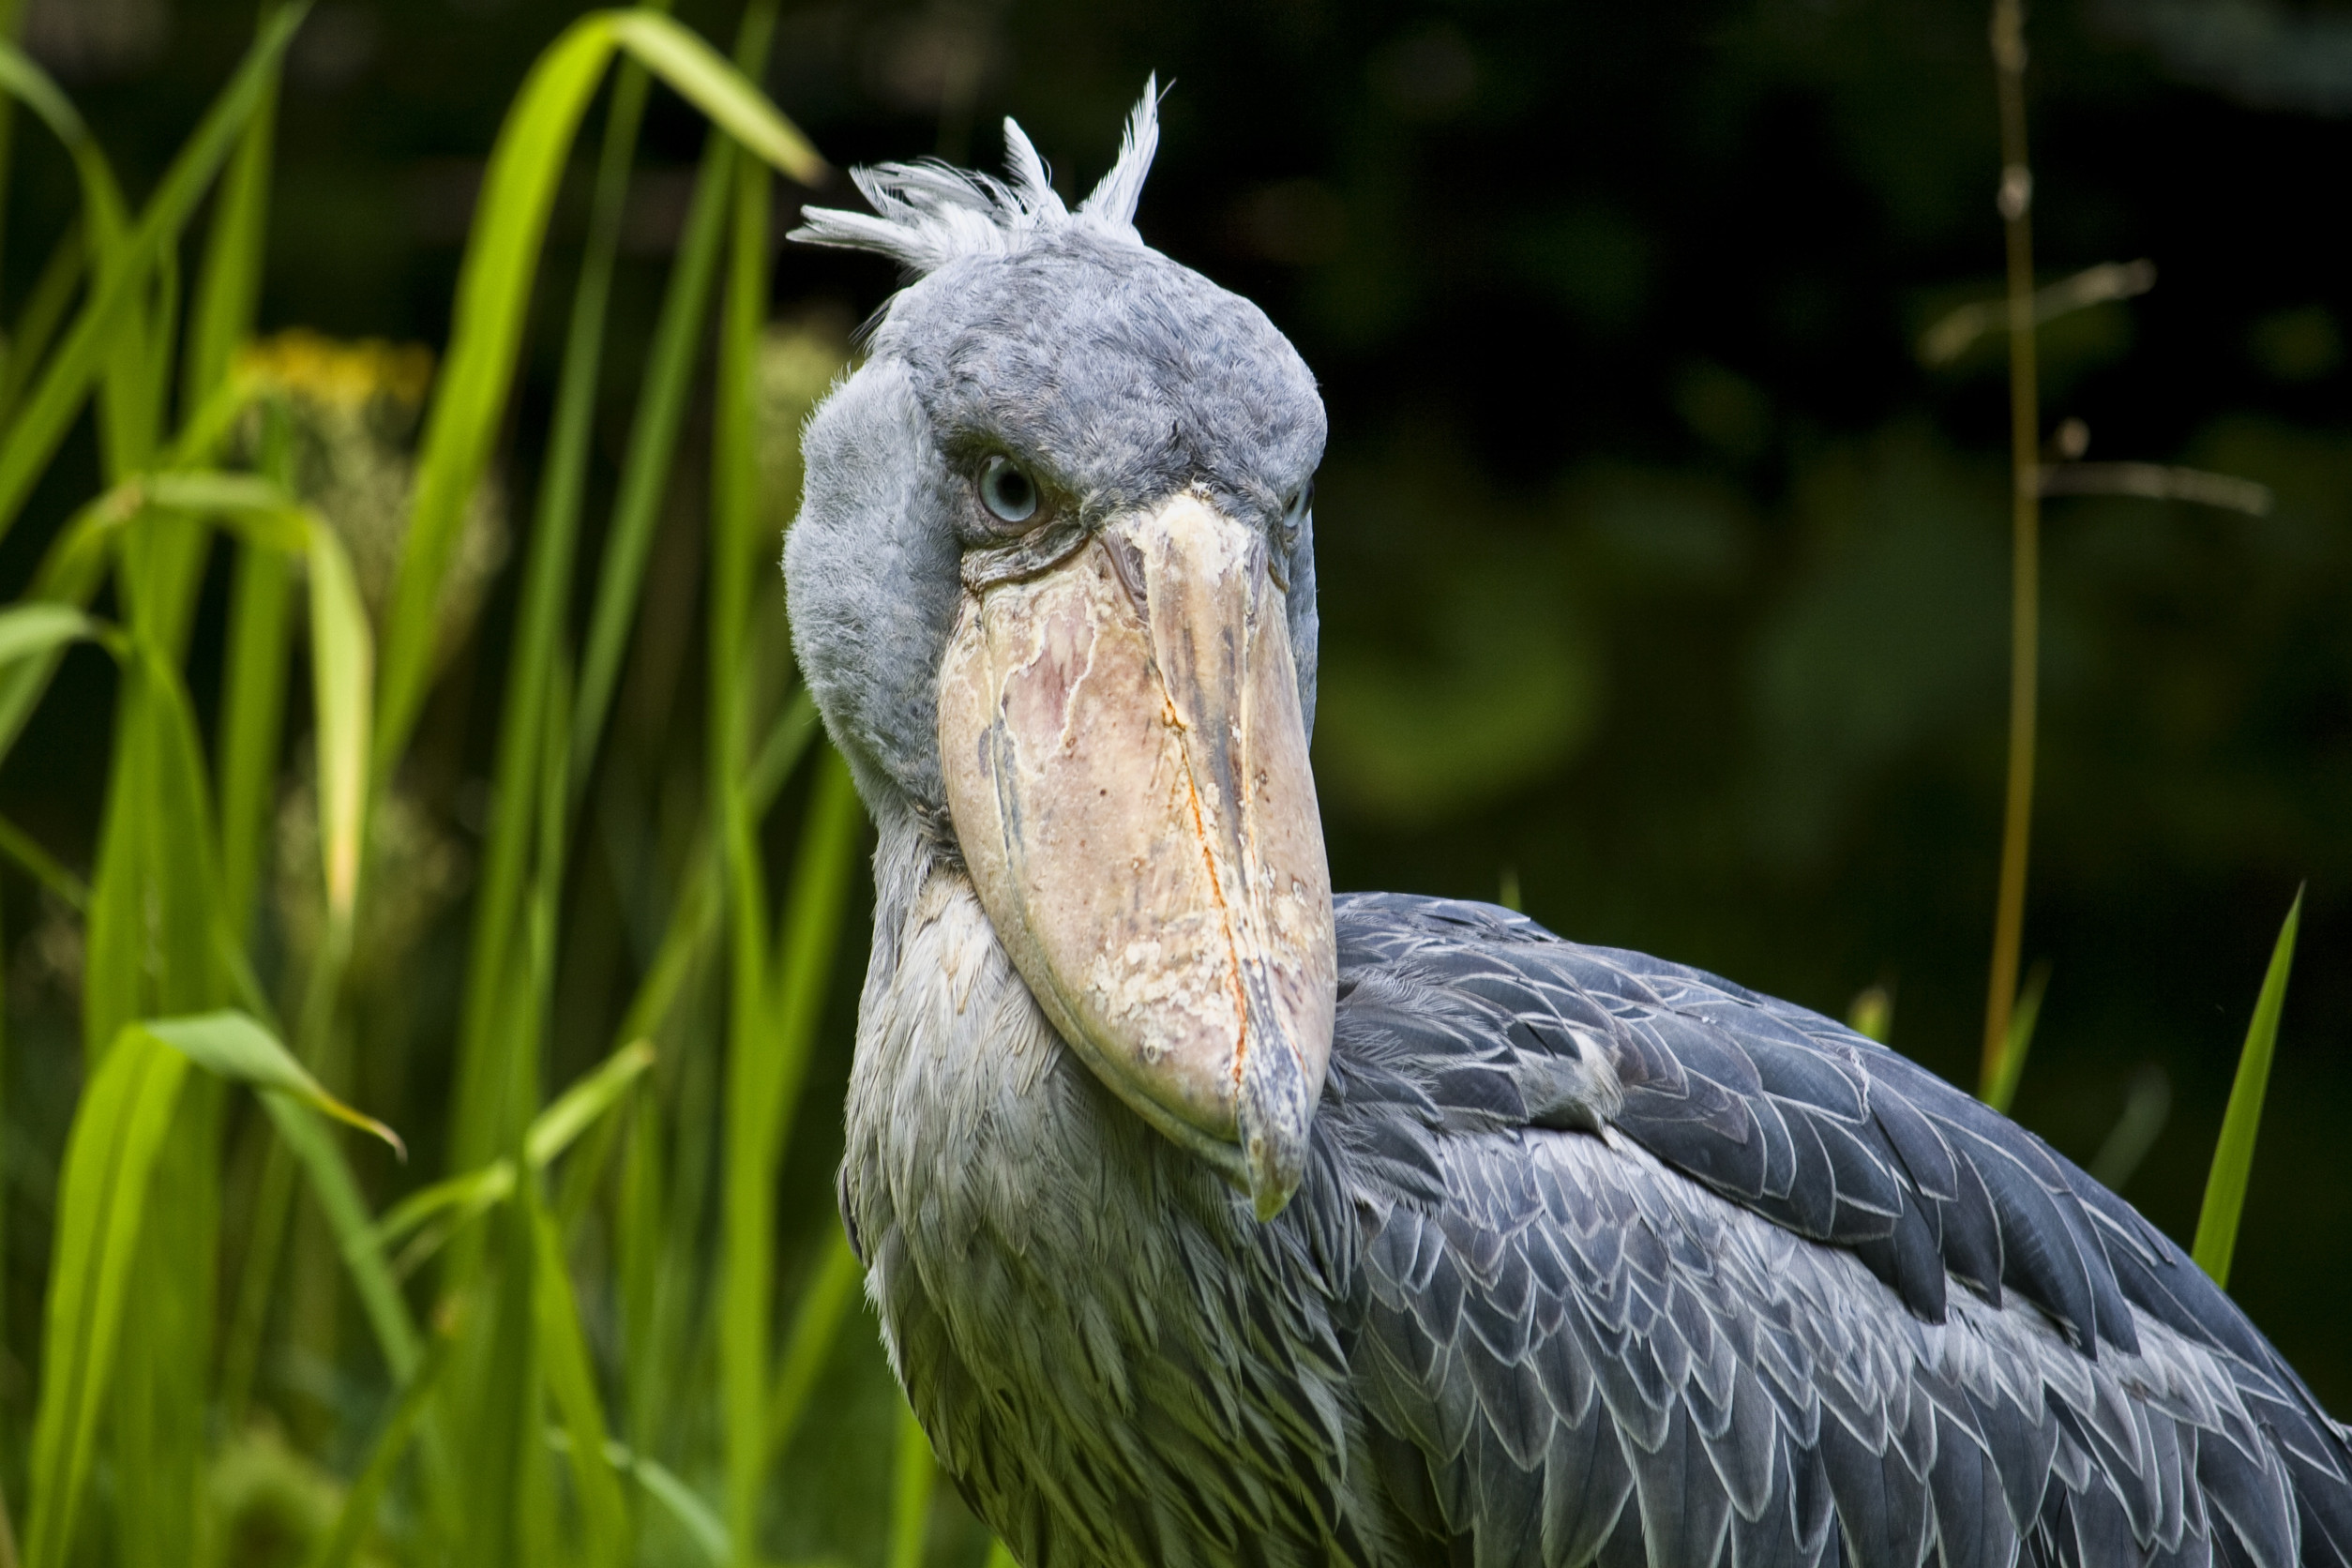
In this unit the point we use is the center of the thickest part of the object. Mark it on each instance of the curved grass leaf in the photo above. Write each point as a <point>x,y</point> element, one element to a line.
<point>44,309</point>
<point>911,1494</point>
<point>118,1131</point>
<point>698,1518</point>
<point>747,1300</point>
<point>704,77</point>
<point>340,1544</point>
<point>32,438</point>
<point>29,631</point>
<point>229,288</point>
<point>653,443</point>
<point>339,1197</point>
<point>76,562</point>
<point>816,1322</point>
<point>253,699</point>
<point>587,1100</point>
<point>342,689</point>
<point>495,288</point>
<point>540,624</point>
<point>21,847</point>
<point>2000,1087</point>
<point>571,1379</point>
<point>341,646</point>
<point>232,1045</point>
<point>552,1132</point>
<point>25,82</point>
<point>2233,1155</point>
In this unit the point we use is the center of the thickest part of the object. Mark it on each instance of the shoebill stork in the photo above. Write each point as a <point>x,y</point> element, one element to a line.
<point>1212,1219</point>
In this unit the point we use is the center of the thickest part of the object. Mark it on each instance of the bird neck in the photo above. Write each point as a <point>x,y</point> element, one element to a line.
<point>965,1108</point>
<point>910,854</point>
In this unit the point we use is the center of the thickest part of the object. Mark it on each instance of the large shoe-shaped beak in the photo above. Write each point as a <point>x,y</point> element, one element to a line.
<point>1127,771</point>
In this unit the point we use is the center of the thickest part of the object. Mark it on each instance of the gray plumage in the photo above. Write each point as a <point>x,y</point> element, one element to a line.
<point>1597,1259</point>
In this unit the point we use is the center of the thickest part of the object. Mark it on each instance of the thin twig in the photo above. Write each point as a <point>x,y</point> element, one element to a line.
<point>1953,334</point>
<point>2154,481</point>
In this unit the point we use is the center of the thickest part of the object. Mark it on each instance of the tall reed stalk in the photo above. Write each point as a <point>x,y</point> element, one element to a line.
<point>2010,1013</point>
<point>2024,548</point>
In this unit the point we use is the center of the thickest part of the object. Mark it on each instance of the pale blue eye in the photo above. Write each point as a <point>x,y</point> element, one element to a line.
<point>1296,515</point>
<point>1009,495</point>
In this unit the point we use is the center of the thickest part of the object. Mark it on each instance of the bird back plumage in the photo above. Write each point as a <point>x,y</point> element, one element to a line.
<point>1598,1260</point>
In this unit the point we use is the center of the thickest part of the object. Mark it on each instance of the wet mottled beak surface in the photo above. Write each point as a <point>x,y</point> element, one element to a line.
<point>1127,771</point>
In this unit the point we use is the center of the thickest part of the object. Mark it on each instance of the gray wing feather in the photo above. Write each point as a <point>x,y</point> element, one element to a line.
<point>1649,1268</point>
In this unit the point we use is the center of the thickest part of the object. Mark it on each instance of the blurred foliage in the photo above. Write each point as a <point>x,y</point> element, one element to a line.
<point>1659,575</point>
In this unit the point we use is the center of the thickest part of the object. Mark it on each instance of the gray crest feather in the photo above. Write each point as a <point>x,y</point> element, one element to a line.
<point>928,214</point>
<point>1114,199</point>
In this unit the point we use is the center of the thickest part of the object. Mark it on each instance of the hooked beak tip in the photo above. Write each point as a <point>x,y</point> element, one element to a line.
<point>1276,1113</point>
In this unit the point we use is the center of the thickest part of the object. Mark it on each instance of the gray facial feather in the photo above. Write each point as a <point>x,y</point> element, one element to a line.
<point>1056,337</point>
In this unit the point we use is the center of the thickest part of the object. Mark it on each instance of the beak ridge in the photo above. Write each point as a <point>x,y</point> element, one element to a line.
<point>1128,773</point>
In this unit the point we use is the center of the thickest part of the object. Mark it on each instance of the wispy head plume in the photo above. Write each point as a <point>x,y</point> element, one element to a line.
<point>929,214</point>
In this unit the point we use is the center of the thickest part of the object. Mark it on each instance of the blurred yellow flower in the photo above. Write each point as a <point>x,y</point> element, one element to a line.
<point>310,365</point>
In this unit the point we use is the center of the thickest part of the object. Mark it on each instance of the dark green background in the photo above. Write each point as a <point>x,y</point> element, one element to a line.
<point>1657,571</point>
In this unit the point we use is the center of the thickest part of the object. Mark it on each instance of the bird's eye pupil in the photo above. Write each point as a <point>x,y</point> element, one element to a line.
<point>1009,495</point>
<point>1294,516</point>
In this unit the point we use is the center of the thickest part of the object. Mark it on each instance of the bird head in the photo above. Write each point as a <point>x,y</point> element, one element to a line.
<point>1052,586</point>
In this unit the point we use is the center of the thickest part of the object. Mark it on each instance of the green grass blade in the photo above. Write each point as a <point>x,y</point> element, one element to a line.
<point>253,698</point>
<point>453,1201</point>
<point>653,444</point>
<point>74,567</point>
<point>694,915</point>
<point>21,847</point>
<point>25,82</point>
<point>575,1110</point>
<point>162,1388</point>
<point>492,305</point>
<point>1001,1556</point>
<point>701,1522</point>
<point>502,1444</point>
<point>44,309</point>
<point>702,75</point>
<point>341,1544</point>
<point>230,1045</point>
<point>182,859</point>
<point>811,933</point>
<point>2147,1104</point>
<point>117,1133</point>
<point>2000,1090</point>
<point>339,1197</point>
<point>2233,1155</point>
<point>911,1494</point>
<point>816,1322</point>
<point>343,672</point>
<point>32,438</point>
<point>494,287</point>
<point>31,632</point>
<point>746,1299</point>
<point>115,987</point>
<point>228,287</point>
<point>332,1183</point>
<point>540,624</point>
<point>585,1102</point>
<point>572,1380</point>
